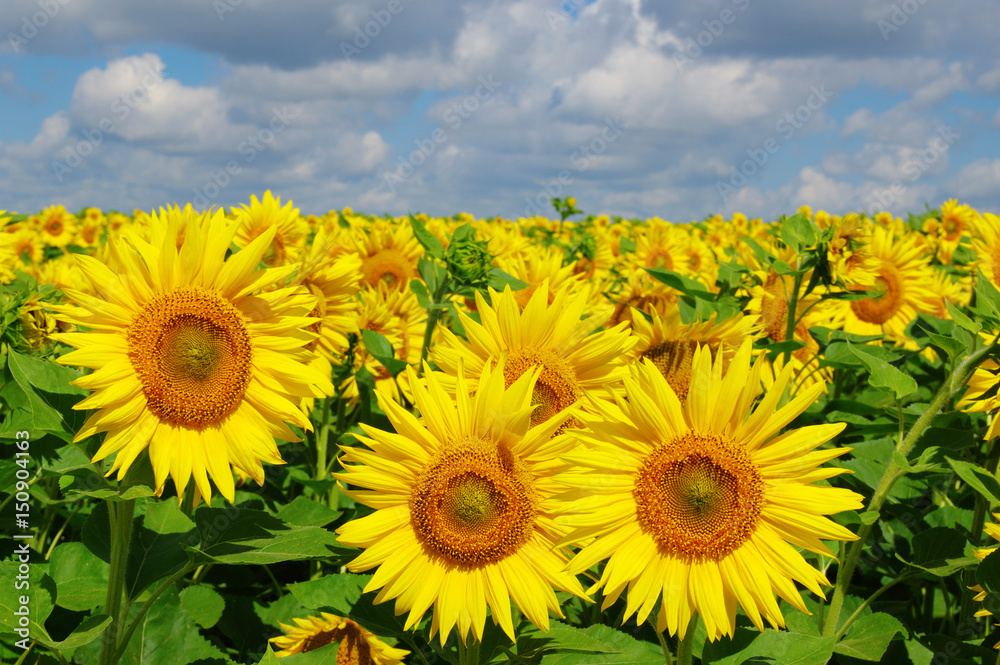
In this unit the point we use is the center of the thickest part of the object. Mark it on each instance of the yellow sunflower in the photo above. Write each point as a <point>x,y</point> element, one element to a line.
<point>535,265</point>
<point>902,280</point>
<point>261,216</point>
<point>464,511</point>
<point>986,246</point>
<point>552,337</point>
<point>56,227</point>
<point>670,344</point>
<point>356,645</point>
<point>704,503</point>
<point>389,254</point>
<point>957,221</point>
<point>981,395</point>
<point>193,362</point>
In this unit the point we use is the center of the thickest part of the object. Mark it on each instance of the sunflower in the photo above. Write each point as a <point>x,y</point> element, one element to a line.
<point>993,530</point>
<point>902,281</point>
<point>705,501</point>
<point>986,246</point>
<point>534,266</point>
<point>260,216</point>
<point>192,361</point>
<point>957,222</point>
<point>56,227</point>
<point>357,645</point>
<point>670,344</point>
<point>552,337</point>
<point>981,394</point>
<point>389,254</point>
<point>640,291</point>
<point>464,511</point>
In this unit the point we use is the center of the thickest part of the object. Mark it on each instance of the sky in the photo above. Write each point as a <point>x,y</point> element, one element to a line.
<point>636,108</point>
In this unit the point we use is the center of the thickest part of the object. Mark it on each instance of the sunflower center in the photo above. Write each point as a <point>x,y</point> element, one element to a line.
<point>557,386</point>
<point>192,351</point>
<point>353,649</point>
<point>661,260</point>
<point>674,359</point>
<point>774,308</point>
<point>475,504</point>
<point>699,496</point>
<point>55,227</point>
<point>389,266</point>
<point>883,307</point>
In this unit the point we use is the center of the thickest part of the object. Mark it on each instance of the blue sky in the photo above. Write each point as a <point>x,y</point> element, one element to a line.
<point>638,109</point>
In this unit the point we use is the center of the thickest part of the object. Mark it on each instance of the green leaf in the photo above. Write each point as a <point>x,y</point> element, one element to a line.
<point>869,636</point>
<point>961,319</point>
<point>784,648</point>
<point>987,298</point>
<point>565,645</point>
<point>884,376</point>
<point>685,285</point>
<point>427,239</point>
<point>419,289</point>
<point>978,478</point>
<point>988,572</point>
<point>36,586</point>
<point>626,245</point>
<point>499,279</point>
<point>939,551</point>
<point>96,534</point>
<point>798,232</point>
<point>307,512</point>
<point>168,635</point>
<point>339,592</point>
<point>114,493</point>
<point>269,658</point>
<point>155,549</point>
<point>869,517</point>
<point>44,375</point>
<point>954,348</point>
<point>244,536</point>
<point>81,577</point>
<point>377,345</point>
<point>203,604</point>
<point>88,631</point>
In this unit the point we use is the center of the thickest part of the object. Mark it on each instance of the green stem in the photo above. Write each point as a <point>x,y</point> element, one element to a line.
<point>793,305</point>
<point>685,650</point>
<point>892,473</point>
<point>433,315</point>
<point>120,516</point>
<point>145,608</point>
<point>468,655</point>
<point>663,641</point>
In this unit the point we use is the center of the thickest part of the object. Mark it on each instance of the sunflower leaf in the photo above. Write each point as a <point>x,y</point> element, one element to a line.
<point>427,239</point>
<point>869,636</point>
<point>882,375</point>
<point>961,319</point>
<point>978,478</point>
<point>377,345</point>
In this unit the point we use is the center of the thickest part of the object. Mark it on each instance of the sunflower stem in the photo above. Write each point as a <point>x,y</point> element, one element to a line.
<point>868,601</point>
<point>137,619</point>
<point>954,383</point>
<point>667,658</point>
<point>120,517</point>
<point>793,306</point>
<point>468,655</point>
<point>685,649</point>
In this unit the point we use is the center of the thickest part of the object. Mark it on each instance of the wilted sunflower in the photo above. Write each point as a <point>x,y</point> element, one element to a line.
<point>552,337</point>
<point>704,503</point>
<point>358,646</point>
<point>463,512</point>
<point>192,360</point>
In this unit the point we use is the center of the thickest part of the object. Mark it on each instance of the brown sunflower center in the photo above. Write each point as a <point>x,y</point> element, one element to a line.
<point>390,266</point>
<point>883,307</point>
<point>660,259</point>
<point>55,227</point>
<point>557,386</point>
<point>192,351</point>
<point>475,504</point>
<point>699,496</point>
<point>353,650</point>
<point>674,359</point>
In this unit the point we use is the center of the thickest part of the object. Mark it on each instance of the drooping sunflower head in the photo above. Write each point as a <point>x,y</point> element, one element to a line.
<point>705,501</point>
<point>464,512</point>
<point>356,645</point>
<point>193,361</point>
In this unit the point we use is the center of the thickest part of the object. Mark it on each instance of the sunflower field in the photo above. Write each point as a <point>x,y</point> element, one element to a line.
<point>257,436</point>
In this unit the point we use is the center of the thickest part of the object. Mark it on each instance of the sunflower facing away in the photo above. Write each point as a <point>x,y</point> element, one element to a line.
<point>192,360</point>
<point>357,645</point>
<point>704,503</point>
<point>464,516</point>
